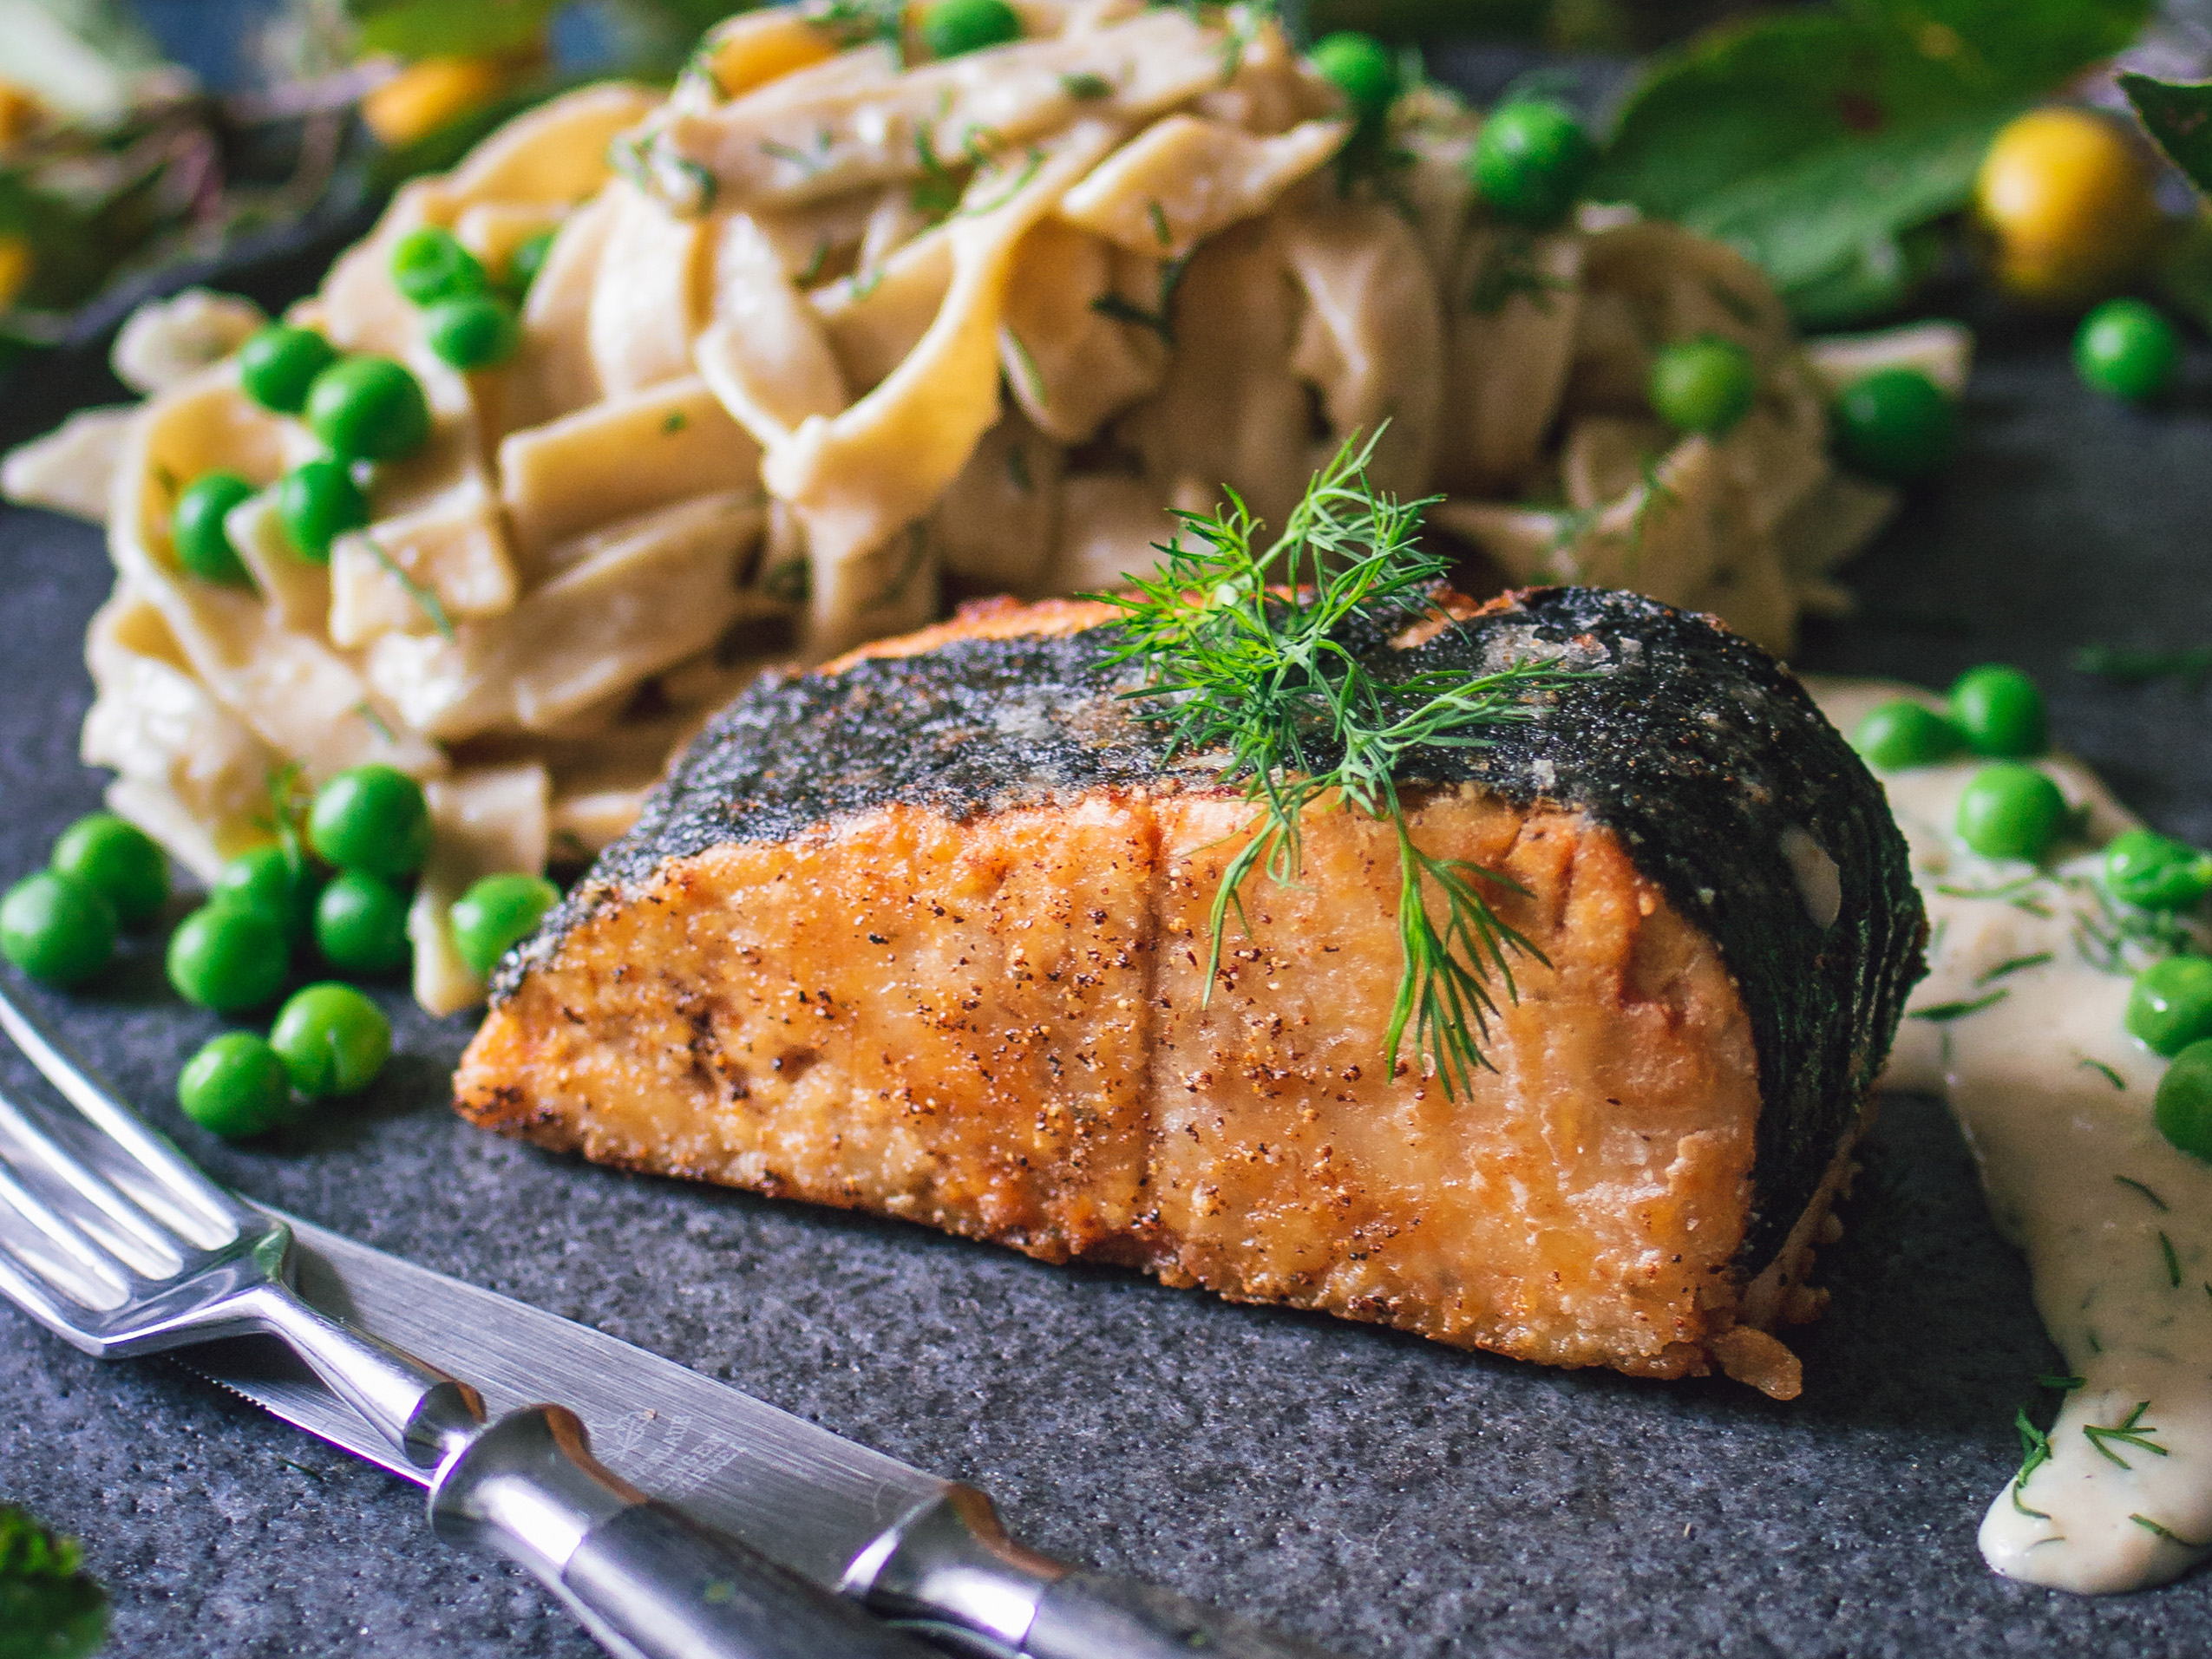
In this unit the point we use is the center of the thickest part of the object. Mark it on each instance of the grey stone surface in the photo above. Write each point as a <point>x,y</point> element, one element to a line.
<point>1370,1491</point>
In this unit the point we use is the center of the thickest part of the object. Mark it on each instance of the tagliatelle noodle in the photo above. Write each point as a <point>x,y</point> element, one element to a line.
<point>815,334</point>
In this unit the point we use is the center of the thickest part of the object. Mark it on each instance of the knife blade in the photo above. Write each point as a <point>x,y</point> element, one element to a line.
<point>924,1552</point>
<point>806,1498</point>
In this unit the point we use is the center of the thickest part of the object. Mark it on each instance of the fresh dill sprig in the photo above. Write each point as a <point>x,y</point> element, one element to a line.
<point>1944,1013</point>
<point>424,599</point>
<point>2167,1533</point>
<point>2130,1430</point>
<point>1245,654</point>
<point>2035,1452</point>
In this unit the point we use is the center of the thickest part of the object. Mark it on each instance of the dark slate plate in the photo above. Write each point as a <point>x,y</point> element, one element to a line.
<point>1375,1492</point>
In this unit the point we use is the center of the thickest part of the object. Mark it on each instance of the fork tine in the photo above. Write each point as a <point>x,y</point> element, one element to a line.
<point>60,1257</point>
<point>198,1208</point>
<point>71,1188</point>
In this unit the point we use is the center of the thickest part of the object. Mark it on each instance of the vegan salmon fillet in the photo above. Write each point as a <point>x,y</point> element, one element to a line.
<point>926,933</point>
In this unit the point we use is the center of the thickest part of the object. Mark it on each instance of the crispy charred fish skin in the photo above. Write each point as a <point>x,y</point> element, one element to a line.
<point>1692,749</point>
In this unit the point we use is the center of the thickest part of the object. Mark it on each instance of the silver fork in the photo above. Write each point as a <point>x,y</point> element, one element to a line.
<point>117,1244</point>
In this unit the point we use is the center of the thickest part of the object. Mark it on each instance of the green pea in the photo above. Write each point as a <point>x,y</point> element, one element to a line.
<point>1361,67</point>
<point>1530,160</point>
<point>2183,1108</point>
<point>526,262</point>
<point>473,331</point>
<point>229,957</point>
<point>57,929</point>
<point>429,264</point>
<point>361,924</point>
<point>275,881</point>
<point>203,544</point>
<point>369,408</point>
<point>277,365</point>
<point>333,1040</point>
<point>952,27</point>
<point>2155,871</point>
<point>2171,1004</point>
<point>1705,385</point>
<point>317,502</point>
<point>1905,734</point>
<point>2128,349</point>
<point>372,818</point>
<point>1895,425</point>
<point>118,860</point>
<point>497,914</point>
<point>2011,810</point>
<point>235,1086</point>
<point>2001,712</point>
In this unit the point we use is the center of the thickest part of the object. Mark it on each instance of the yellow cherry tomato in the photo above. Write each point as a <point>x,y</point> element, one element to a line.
<point>424,97</point>
<point>2070,200</point>
<point>16,264</point>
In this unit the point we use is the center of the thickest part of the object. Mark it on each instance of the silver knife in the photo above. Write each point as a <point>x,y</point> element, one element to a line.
<point>911,1547</point>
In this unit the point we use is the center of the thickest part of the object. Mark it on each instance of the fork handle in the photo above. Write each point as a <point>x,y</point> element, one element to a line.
<point>648,1581</point>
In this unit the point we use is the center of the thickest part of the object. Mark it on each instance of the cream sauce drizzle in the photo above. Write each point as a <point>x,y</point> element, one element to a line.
<point>2055,1097</point>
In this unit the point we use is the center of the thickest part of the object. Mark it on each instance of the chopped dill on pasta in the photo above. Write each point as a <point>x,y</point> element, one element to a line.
<point>1245,653</point>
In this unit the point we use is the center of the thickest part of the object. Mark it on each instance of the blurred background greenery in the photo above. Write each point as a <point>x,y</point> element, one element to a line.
<point>1837,144</point>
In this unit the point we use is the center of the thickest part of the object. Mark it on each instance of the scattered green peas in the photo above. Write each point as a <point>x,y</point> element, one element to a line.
<point>2128,350</point>
<point>429,264</point>
<point>2000,710</point>
<point>235,1086</point>
<point>2010,811</point>
<point>277,365</point>
<point>1905,734</point>
<point>526,262</point>
<point>372,818</point>
<point>1895,425</point>
<point>361,924</point>
<point>1705,385</point>
<point>951,28</point>
<point>318,502</point>
<point>2155,871</point>
<point>2183,1108</point>
<point>273,880</point>
<point>333,1040</point>
<point>1361,67</point>
<point>57,929</point>
<point>496,914</point>
<point>203,544</point>
<point>472,330</point>
<point>369,408</point>
<point>117,860</point>
<point>2171,1004</point>
<point>229,957</point>
<point>1531,159</point>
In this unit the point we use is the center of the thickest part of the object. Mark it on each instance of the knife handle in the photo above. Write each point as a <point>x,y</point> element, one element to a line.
<point>649,1582</point>
<point>1099,1616</point>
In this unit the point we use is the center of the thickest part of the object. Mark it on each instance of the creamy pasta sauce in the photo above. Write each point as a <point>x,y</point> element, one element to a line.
<point>2019,1024</point>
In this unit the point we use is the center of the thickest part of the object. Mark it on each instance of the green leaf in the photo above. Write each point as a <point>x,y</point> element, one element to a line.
<point>2180,118</point>
<point>416,29</point>
<point>1815,214</point>
<point>49,1607</point>
<point>1815,139</point>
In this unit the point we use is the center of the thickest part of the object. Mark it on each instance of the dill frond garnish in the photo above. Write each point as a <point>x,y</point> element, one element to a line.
<point>2130,1430</point>
<point>1943,1013</point>
<point>2173,1261</point>
<point>2127,1181</point>
<point>2035,1452</point>
<point>1245,653</point>
<point>423,599</point>
<point>2167,1533</point>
